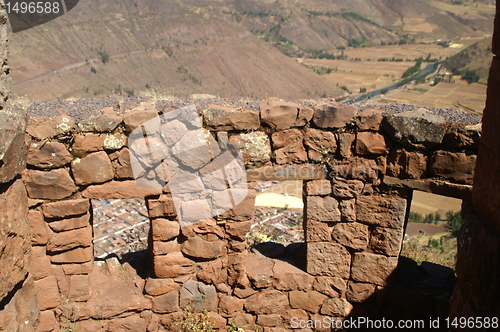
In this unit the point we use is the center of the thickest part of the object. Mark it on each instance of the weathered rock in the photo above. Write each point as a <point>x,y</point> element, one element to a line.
<point>62,241</point>
<point>230,118</point>
<point>356,168</point>
<point>122,165</point>
<point>255,147</point>
<point>460,136</point>
<point>137,117</point>
<point>260,271</point>
<point>372,268</point>
<point>118,189</point>
<point>79,288</point>
<point>238,230</point>
<point>197,247</point>
<point>457,166</point>
<point>331,286</point>
<point>172,265</point>
<point>38,228</point>
<point>229,305</point>
<point>48,321</point>
<point>418,129</point>
<point>359,292</point>
<point>288,147</point>
<point>270,320</point>
<point>66,208</point>
<point>14,237</point>
<point>386,241</point>
<point>166,303</point>
<point>77,255</point>
<point>405,164</point>
<point>348,210</point>
<point>345,144</point>
<point>13,143</point>
<point>333,115</point>
<point>319,143</point>
<point>163,248</point>
<point>94,168</point>
<point>47,293</point>
<point>47,127</point>
<point>40,263</point>
<point>266,302</point>
<point>102,123</point>
<point>212,272</point>
<point>288,277</point>
<point>336,308</point>
<point>84,268</point>
<point>369,119</point>
<point>323,209</point>
<point>368,143</point>
<point>309,301</point>
<point>317,231</point>
<point>381,210</point>
<point>198,296</point>
<point>88,142</point>
<point>206,229</point>
<point>278,114</point>
<point>70,223</point>
<point>48,155</point>
<point>353,235</point>
<point>164,229</point>
<point>243,211</point>
<point>328,259</point>
<point>305,115</point>
<point>319,187</point>
<point>130,323</point>
<point>343,188</point>
<point>192,149</point>
<point>55,184</point>
<point>161,207</point>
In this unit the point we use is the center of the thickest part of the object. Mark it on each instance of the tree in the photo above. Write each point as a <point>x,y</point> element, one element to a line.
<point>471,76</point>
<point>93,70</point>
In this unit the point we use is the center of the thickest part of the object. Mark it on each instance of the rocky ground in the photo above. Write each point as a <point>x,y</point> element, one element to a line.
<point>82,108</point>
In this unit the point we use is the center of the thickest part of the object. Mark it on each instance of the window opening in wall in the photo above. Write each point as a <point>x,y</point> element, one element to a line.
<point>120,226</point>
<point>277,228</point>
<point>432,229</point>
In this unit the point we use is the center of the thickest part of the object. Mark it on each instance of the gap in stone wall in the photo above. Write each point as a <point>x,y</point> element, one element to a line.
<point>277,229</point>
<point>431,232</point>
<point>121,226</point>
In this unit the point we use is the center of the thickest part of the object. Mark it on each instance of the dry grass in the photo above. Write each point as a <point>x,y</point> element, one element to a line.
<point>446,256</point>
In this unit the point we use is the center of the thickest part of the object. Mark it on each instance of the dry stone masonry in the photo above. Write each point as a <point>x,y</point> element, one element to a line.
<point>359,169</point>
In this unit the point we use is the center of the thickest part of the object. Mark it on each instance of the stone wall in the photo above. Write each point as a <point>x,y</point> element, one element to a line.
<point>18,309</point>
<point>359,170</point>
<point>479,239</point>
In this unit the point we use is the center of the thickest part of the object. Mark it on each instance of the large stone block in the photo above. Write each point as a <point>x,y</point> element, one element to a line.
<point>93,168</point>
<point>359,292</point>
<point>164,229</point>
<point>77,255</point>
<point>324,209</point>
<point>336,308</point>
<point>356,168</point>
<point>122,165</point>
<point>172,265</point>
<point>156,287</point>
<point>88,142</point>
<point>418,129</point>
<point>369,119</point>
<point>331,286</point>
<point>333,115</point>
<point>368,143</point>
<point>319,187</point>
<point>137,117</point>
<point>278,114</point>
<point>343,188</point>
<point>288,147</point>
<point>288,277</point>
<point>66,208</point>
<point>317,231</point>
<point>48,155</point>
<point>47,293</point>
<point>13,147</point>
<point>352,235</point>
<point>328,259</point>
<point>38,228</point>
<point>62,241</point>
<point>221,118</point>
<point>381,210</point>
<point>406,164</point>
<point>47,127</point>
<point>198,297</point>
<point>319,143</point>
<point>309,301</point>
<point>55,184</point>
<point>289,172</point>
<point>70,223</point>
<point>166,303</point>
<point>102,123</point>
<point>386,241</point>
<point>14,237</point>
<point>118,189</point>
<point>372,268</point>
<point>200,248</point>
<point>267,302</point>
<point>456,166</point>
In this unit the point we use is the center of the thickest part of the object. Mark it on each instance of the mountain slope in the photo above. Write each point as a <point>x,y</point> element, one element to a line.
<point>476,57</point>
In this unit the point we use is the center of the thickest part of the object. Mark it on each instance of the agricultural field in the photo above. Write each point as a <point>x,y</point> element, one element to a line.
<point>470,97</point>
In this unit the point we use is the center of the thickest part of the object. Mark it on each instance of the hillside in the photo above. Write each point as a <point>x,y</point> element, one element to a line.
<point>476,57</point>
<point>232,48</point>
